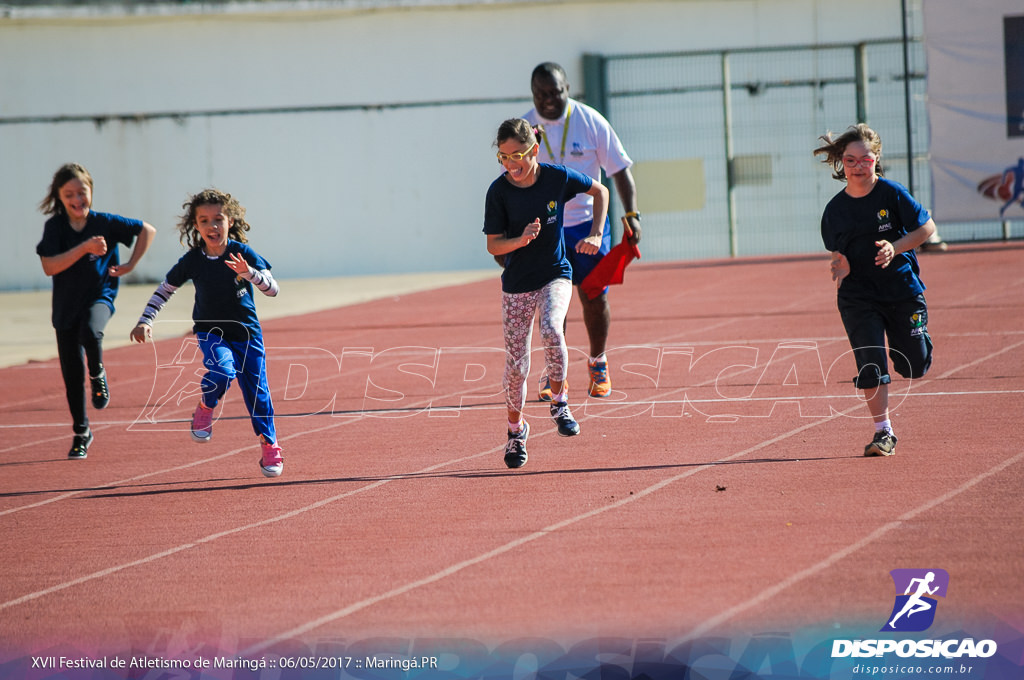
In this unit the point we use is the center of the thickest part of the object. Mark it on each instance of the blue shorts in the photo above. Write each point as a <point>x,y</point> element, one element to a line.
<point>903,322</point>
<point>584,264</point>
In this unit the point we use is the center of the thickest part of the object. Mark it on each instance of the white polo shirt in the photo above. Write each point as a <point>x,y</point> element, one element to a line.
<point>589,146</point>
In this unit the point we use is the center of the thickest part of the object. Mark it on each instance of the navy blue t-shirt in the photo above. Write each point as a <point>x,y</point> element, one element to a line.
<point>510,208</point>
<point>852,225</point>
<point>224,303</point>
<point>88,280</point>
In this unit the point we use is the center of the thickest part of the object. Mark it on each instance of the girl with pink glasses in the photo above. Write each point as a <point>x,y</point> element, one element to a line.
<point>871,228</point>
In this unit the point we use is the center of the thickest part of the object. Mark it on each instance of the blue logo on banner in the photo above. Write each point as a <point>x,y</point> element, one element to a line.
<point>916,590</point>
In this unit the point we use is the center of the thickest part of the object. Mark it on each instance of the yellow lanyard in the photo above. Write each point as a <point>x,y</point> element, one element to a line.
<point>565,133</point>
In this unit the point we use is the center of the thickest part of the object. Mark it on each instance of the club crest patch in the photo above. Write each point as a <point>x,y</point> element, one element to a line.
<point>918,323</point>
<point>883,220</point>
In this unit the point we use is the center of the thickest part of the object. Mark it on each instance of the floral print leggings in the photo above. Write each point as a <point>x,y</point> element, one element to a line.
<point>518,310</point>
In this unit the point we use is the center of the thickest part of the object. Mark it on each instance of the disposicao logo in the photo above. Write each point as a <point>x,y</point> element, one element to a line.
<point>916,590</point>
<point>914,611</point>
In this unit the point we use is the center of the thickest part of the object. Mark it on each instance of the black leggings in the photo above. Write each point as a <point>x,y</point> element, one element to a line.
<point>86,334</point>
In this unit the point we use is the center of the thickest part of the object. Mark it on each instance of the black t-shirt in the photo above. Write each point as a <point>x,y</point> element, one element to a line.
<point>88,280</point>
<point>853,225</point>
<point>224,303</point>
<point>508,209</point>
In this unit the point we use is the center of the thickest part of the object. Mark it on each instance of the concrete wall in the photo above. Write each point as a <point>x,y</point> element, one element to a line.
<point>387,175</point>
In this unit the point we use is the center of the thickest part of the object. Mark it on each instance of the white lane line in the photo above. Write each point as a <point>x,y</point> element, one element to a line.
<point>617,402</point>
<point>835,557</point>
<point>355,607</point>
<point>511,545</point>
<point>174,550</point>
<point>547,531</point>
<point>227,532</point>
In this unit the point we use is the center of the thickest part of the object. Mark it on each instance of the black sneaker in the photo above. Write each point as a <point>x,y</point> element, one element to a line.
<point>100,392</point>
<point>80,445</point>
<point>567,427</point>
<point>515,447</point>
<point>884,444</point>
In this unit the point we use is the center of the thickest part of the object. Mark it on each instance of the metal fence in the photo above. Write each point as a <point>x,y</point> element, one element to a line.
<point>722,140</point>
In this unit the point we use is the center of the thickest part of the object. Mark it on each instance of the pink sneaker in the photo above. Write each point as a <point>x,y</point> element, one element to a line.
<point>272,463</point>
<point>202,423</point>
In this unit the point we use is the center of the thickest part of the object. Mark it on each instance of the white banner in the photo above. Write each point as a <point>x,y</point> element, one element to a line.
<point>976,108</point>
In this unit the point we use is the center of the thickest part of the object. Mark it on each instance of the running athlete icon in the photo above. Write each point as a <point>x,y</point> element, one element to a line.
<point>916,603</point>
<point>1016,173</point>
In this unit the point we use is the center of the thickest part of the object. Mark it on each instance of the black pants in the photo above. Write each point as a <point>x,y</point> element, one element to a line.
<point>87,335</point>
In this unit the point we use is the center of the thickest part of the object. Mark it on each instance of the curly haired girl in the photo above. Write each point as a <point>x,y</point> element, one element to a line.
<point>223,270</point>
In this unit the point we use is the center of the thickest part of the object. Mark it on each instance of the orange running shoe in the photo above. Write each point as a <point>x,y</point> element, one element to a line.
<point>600,384</point>
<point>544,393</point>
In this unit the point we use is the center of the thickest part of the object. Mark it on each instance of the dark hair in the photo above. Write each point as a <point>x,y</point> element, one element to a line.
<point>833,149</point>
<point>520,130</point>
<point>189,234</point>
<point>550,69</point>
<point>52,205</point>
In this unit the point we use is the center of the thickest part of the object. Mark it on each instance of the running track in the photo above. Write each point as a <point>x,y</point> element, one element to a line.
<point>720,491</point>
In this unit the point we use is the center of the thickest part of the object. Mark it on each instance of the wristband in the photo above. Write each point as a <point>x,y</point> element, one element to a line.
<point>633,213</point>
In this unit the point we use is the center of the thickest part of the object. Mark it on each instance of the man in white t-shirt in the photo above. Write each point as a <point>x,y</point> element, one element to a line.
<point>577,136</point>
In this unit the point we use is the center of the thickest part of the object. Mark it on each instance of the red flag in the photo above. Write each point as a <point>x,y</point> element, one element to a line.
<point>612,267</point>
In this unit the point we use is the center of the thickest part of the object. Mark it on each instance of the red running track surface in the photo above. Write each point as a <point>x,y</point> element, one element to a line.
<point>720,489</point>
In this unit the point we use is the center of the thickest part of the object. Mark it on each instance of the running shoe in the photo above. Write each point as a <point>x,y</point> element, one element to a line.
<point>545,389</point>
<point>271,463</point>
<point>100,391</point>
<point>560,413</point>
<point>600,383</point>
<point>80,445</point>
<point>884,444</point>
<point>202,423</point>
<point>515,447</point>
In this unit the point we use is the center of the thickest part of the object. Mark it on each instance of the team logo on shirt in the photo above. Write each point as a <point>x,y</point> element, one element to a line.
<point>883,220</point>
<point>552,213</point>
<point>240,291</point>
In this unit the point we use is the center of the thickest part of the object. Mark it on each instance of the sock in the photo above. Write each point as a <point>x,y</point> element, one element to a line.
<point>884,425</point>
<point>594,360</point>
<point>561,397</point>
<point>515,428</point>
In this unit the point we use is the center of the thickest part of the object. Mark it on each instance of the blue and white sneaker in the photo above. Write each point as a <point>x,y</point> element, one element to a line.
<point>567,425</point>
<point>515,447</point>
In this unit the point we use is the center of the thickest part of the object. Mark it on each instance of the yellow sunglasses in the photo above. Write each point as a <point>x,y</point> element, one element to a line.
<point>518,156</point>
